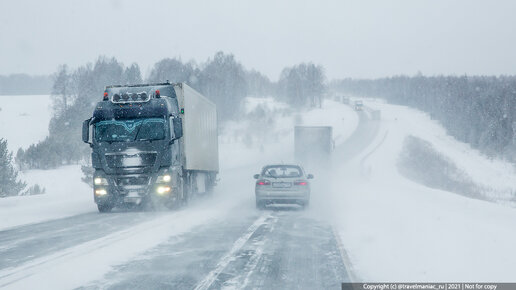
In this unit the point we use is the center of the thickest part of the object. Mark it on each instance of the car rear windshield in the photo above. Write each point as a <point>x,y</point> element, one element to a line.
<point>282,171</point>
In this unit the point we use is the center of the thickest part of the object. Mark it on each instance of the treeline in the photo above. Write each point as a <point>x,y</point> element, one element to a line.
<point>222,79</point>
<point>478,110</point>
<point>23,84</point>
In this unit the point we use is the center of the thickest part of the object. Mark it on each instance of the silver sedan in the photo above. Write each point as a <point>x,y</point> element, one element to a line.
<point>282,184</point>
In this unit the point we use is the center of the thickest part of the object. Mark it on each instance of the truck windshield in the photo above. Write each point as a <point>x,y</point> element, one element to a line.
<point>130,130</point>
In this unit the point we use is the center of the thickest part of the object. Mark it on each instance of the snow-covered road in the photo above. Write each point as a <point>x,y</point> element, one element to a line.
<point>217,242</point>
<point>214,243</point>
<point>366,221</point>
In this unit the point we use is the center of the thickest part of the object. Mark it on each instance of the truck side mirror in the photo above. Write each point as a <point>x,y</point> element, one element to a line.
<point>178,127</point>
<point>86,131</point>
<point>256,176</point>
<point>310,176</point>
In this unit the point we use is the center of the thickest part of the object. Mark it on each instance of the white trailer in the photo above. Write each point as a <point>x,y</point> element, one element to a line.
<point>200,137</point>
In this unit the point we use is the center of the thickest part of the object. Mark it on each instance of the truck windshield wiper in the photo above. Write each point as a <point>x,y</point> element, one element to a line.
<point>137,132</point>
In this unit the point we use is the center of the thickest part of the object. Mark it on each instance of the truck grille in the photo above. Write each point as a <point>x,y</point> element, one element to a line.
<point>137,160</point>
<point>133,180</point>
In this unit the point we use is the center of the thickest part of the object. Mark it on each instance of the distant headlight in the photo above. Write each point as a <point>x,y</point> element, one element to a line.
<point>164,178</point>
<point>100,181</point>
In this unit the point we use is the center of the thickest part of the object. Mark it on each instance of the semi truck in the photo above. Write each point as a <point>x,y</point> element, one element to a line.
<point>152,144</point>
<point>313,145</point>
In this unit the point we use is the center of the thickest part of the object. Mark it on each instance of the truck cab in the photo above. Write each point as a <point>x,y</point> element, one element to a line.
<point>136,136</point>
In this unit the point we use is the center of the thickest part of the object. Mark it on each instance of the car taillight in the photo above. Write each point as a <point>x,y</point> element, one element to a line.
<point>263,182</point>
<point>300,182</point>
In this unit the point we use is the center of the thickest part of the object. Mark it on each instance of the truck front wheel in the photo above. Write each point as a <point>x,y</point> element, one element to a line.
<point>104,207</point>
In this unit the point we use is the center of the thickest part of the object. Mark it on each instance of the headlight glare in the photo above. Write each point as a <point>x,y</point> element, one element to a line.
<point>100,192</point>
<point>163,189</point>
<point>100,181</point>
<point>164,178</point>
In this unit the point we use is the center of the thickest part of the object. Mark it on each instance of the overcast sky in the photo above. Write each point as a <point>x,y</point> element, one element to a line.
<point>349,38</point>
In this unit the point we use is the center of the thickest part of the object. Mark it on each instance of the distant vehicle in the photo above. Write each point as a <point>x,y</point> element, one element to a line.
<point>152,143</point>
<point>282,184</point>
<point>359,105</point>
<point>313,145</point>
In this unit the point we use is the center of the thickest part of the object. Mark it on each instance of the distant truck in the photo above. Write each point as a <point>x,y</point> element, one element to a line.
<point>153,144</point>
<point>359,106</point>
<point>313,145</point>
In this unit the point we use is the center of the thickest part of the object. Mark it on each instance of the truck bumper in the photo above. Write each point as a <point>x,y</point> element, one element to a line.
<point>134,189</point>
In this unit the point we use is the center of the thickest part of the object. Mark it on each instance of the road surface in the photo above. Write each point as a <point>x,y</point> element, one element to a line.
<point>211,244</point>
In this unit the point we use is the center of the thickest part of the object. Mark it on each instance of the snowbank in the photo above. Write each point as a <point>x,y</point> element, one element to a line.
<point>66,195</point>
<point>397,230</point>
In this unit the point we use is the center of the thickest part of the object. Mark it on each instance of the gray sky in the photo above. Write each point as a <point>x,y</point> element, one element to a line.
<point>349,38</point>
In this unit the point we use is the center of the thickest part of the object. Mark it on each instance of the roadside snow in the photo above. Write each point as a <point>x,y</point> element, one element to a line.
<point>66,195</point>
<point>494,174</point>
<point>396,230</point>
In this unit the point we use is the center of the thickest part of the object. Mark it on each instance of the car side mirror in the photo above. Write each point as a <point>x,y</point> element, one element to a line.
<point>86,131</point>
<point>256,176</point>
<point>310,176</point>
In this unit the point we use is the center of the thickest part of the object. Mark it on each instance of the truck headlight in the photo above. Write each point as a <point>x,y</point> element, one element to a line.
<point>100,192</point>
<point>100,181</point>
<point>163,189</point>
<point>164,178</point>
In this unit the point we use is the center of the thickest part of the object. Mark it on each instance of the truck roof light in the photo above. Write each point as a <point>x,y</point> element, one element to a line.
<point>129,97</point>
<point>105,96</point>
<point>157,94</point>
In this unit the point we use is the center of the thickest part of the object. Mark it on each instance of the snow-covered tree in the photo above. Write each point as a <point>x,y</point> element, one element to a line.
<point>303,84</point>
<point>61,90</point>
<point>223,80</point>
<point>9,183</point>
<point>132,75</point>
<point>173,70</point>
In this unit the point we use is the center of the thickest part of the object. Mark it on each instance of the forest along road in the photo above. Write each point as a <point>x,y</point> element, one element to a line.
<point>217,242</point>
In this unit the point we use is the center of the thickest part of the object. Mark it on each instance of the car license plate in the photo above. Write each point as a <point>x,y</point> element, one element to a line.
<point>281,184</point>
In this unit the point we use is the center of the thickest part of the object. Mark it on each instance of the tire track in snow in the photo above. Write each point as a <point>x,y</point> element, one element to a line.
<point>231,255</point>
<point>92,259</point>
